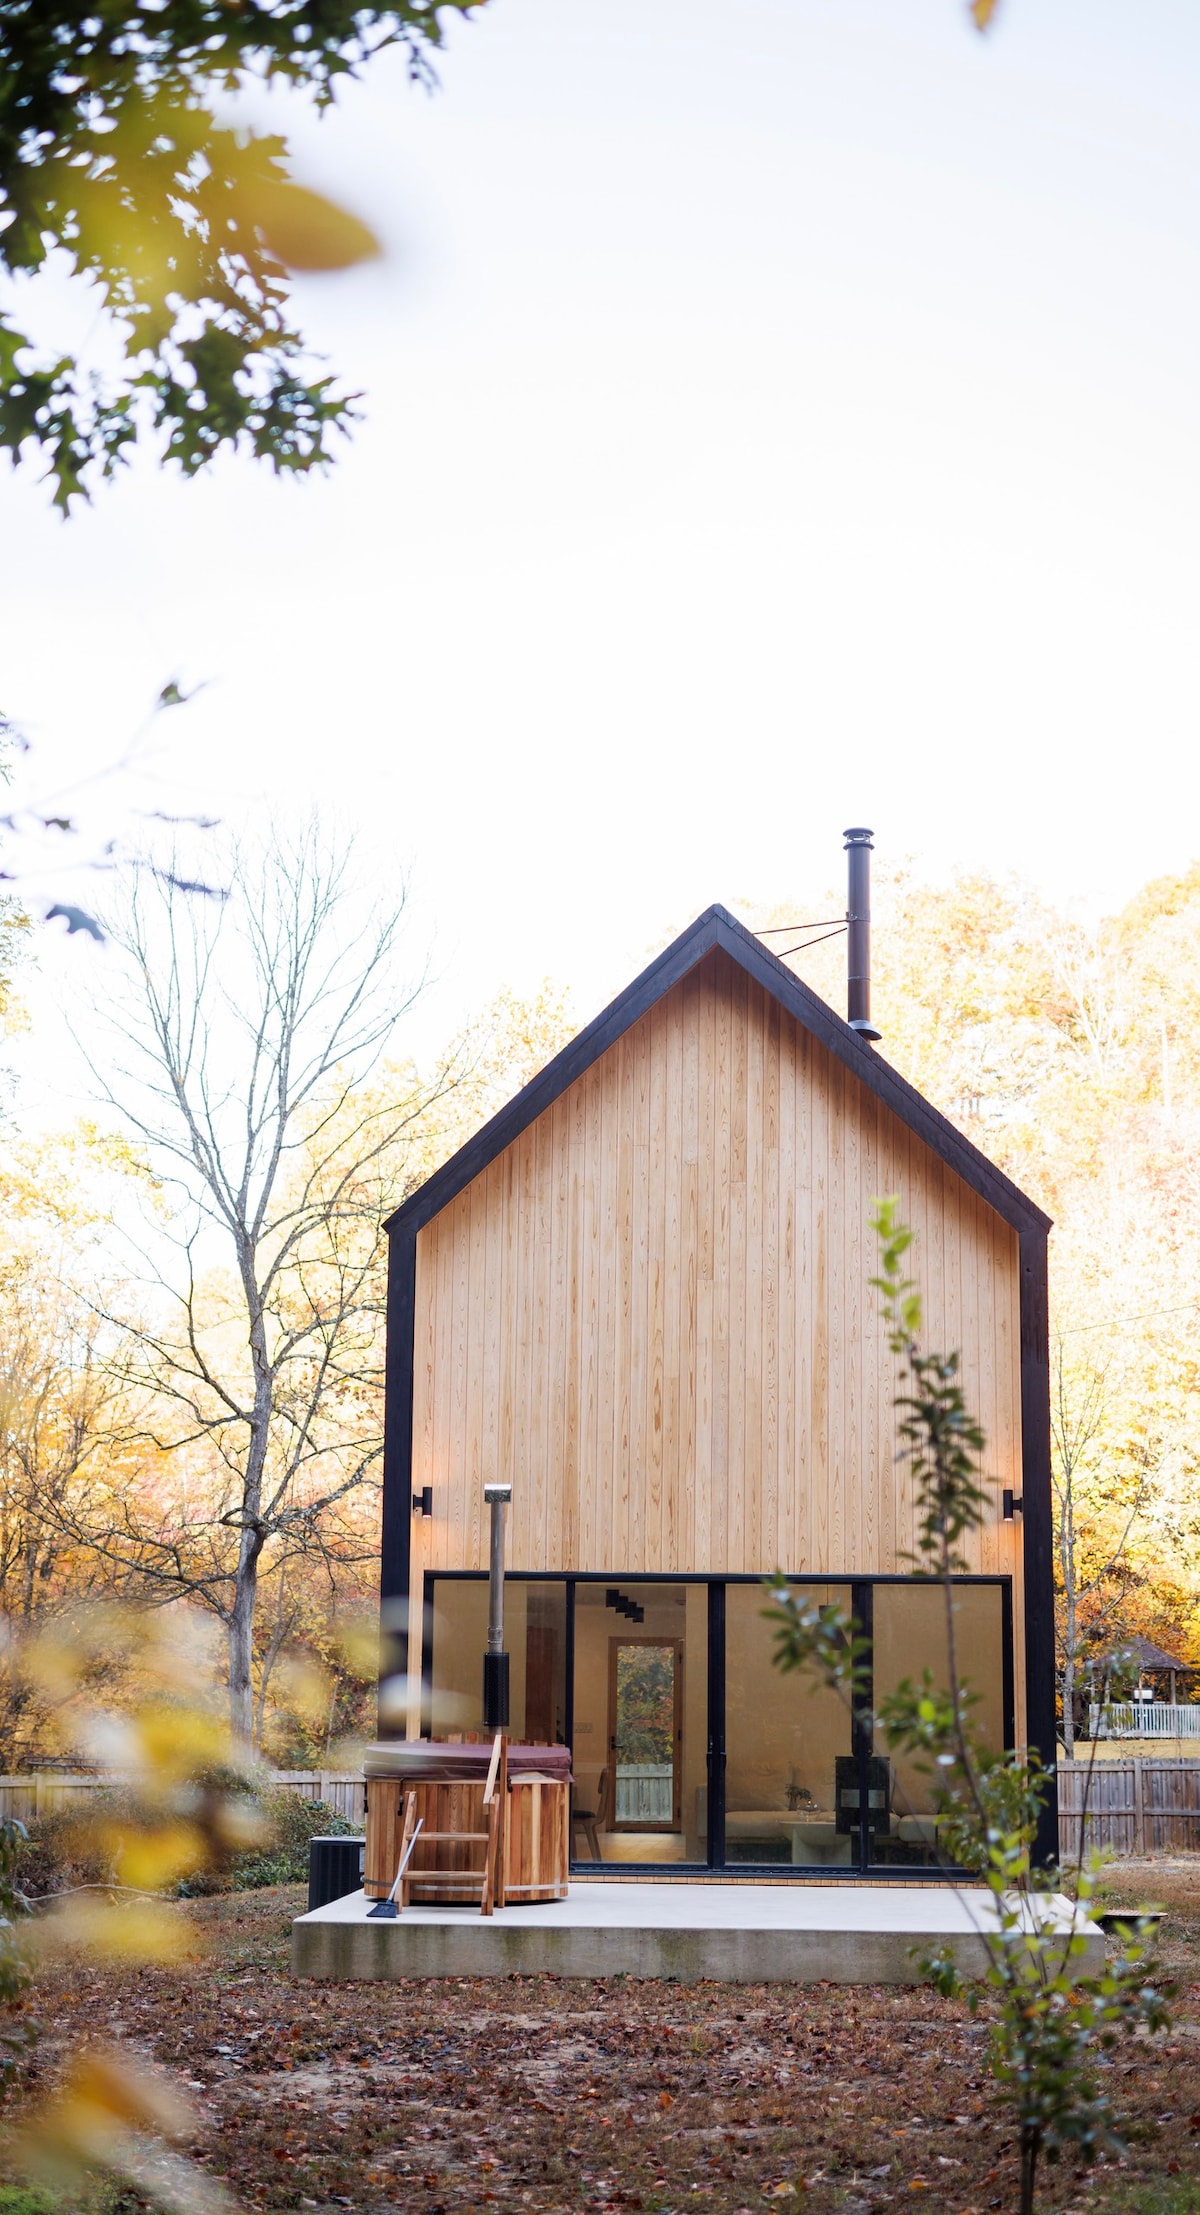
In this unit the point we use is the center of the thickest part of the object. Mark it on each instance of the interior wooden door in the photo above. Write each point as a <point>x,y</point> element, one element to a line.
<point>541,1677</point>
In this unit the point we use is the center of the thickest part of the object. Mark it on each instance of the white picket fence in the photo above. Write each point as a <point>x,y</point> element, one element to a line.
<point>44,1791</point>
<point>1143,1719</point>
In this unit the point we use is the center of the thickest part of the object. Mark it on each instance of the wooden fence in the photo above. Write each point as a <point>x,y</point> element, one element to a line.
<point>47,1790</point>
<point>340,1789</point>
<point>1142,1805</point>
<point>645,1792</point>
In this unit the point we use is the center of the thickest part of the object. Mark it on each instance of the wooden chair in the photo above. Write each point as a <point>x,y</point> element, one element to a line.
<point>537,1838</point>
<point>591,1820</point>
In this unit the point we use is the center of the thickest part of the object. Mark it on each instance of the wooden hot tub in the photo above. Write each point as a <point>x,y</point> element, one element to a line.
<point>449,1781</point>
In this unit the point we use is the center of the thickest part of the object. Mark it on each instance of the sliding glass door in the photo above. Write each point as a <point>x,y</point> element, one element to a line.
<point>908,1635</point>
<point>690,1749</point>
<point>784,1741</point>
<point>640,1720</point>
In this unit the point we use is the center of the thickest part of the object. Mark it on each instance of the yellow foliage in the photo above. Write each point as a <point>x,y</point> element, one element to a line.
<point>116,1929</point>
<point>1069,1052</point>
<point>152,1860</point>
<point>171,1750</point>
<point>113,2114</point>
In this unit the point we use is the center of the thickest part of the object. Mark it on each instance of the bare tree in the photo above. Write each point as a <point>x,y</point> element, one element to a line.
<point>251,1031</point>
<point>1077,1417</point>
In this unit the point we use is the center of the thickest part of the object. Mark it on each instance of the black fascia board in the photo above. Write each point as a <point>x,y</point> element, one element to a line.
<point>718,930</point>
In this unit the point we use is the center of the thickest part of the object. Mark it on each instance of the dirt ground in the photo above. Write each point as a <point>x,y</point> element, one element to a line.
<point>544,2095</point>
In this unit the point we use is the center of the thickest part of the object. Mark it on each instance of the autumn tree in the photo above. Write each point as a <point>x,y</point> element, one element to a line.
<point>64,1452</point>
<point>1068,1049</point>
<point>247,1032</point>
<point>1098,1495</point>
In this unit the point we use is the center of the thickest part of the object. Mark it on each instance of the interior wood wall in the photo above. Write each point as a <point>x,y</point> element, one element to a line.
<point>652,1313</point>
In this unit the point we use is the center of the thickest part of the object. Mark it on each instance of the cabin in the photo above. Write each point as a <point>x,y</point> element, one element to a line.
<point>639,1297</point>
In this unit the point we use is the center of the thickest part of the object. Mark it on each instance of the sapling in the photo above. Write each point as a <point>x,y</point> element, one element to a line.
<point>1050,2023</point>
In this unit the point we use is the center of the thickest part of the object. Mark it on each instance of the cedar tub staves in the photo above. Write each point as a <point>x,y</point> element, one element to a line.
<point>448,1782</point>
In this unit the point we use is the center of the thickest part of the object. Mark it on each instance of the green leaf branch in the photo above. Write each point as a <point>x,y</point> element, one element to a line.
<point>186,228</point>
<point>1051,2024</point>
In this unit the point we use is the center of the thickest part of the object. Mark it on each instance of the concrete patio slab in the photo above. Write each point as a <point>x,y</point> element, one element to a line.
<point>734,1933</point>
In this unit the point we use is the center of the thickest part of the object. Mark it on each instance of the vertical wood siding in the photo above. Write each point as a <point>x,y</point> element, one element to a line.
<point>652,1313</point>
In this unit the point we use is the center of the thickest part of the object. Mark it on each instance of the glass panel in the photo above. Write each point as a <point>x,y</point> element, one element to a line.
<point>785,1738</point>
<point>910,1637</point>
<point>535,1635</point>
<point>640,1748</point>
<point>646,1681</point>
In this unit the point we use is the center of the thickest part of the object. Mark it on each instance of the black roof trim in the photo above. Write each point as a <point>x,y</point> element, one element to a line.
<point>717,930</point>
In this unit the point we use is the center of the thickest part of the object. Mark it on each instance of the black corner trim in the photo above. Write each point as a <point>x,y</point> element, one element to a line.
<point>396,1538</point>
<point>718,930</point>
<point>1038,1529</point>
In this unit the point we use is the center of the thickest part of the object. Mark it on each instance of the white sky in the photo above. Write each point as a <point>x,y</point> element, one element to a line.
<point>778,416</point>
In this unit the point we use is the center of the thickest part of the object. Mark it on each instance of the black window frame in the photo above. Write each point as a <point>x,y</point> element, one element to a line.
<point>861,1589</point>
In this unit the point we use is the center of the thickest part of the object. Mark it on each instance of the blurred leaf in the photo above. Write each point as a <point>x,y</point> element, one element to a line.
<point>76,919</point>
<point>304,1685</point>
<point>153,1860</point>
<point>239,1823</point>
<point>359,1645</point>
<point>112,2114</point>
<point>116,1930</point>
<point>303,229</point>
<point>157,1746</point>
<point>982,12</point>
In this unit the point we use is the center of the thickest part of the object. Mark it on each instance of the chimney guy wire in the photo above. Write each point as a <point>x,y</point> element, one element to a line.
<point>780,930</point>
<point>802,945</point>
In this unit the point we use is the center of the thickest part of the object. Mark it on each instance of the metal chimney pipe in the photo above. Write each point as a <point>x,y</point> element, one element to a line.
<point>495,1660</point>
<point>859,847</point>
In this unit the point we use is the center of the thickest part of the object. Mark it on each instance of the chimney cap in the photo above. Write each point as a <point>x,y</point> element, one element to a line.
<point>859,837</point>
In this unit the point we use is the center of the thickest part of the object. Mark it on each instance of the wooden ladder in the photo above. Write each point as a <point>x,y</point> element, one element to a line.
<point>490,1879</point>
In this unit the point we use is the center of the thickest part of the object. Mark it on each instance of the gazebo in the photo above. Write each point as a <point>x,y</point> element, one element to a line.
<point>1149,1659</point>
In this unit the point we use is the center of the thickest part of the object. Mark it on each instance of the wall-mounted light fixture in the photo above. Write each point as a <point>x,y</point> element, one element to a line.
<point>1010,1504</point>
<point>423,1501</point>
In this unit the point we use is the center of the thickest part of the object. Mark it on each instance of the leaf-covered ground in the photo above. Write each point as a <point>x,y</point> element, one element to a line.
<point>536,2094</point>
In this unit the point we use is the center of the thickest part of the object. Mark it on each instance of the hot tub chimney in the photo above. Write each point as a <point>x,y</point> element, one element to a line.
<point>859,846</point>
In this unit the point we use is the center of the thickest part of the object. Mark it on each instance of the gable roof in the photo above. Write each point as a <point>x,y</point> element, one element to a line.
<point>719,931</point>
<point>1146,1654</point>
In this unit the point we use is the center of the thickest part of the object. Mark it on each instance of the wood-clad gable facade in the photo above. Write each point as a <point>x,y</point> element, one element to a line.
<point>641,1295</point>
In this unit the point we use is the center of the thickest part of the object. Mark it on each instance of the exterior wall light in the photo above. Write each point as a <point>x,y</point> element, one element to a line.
<point>1011,1504</point>
<point>423,1501</point>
